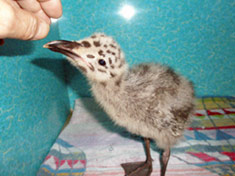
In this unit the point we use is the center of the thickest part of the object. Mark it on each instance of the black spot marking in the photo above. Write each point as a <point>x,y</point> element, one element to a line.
<point>105,46</point>
<point>86,44</point>
<point>83,69</point>
<point>110,61</point>
<point>113,54</point>
<point>101,53</point>
<point>90,56</point>
<point>97,43</point>
<point>92,68</point>
<point>93,36</point>
<point>108,51</point>
<point>112,74</point>
<point>101,70</point>
<point>112,66</point>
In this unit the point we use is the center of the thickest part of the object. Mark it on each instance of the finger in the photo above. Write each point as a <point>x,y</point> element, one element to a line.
<point>29,26</point>
<point>52,8</point>
<point>20,24</point>
<point>34,7</point>
<point>30,5</point>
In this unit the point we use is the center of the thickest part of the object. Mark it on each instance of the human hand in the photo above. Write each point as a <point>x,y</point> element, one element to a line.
<point>27,19</point>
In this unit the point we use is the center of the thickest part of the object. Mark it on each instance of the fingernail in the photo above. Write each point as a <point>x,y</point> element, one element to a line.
<point>42,31</point>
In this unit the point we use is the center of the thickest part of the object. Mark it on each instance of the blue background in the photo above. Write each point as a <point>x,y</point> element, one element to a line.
<point>196,38</point>
<point>34,104</point>
<point>38,87</point>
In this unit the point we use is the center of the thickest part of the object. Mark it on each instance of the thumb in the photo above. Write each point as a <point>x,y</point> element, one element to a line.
<point>20,24</point>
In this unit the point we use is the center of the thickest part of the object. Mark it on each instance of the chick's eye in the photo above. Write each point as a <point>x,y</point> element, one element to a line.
<point>102,62</point>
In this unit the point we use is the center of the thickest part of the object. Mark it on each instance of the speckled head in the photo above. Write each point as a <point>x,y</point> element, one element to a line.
<point>99,56</point>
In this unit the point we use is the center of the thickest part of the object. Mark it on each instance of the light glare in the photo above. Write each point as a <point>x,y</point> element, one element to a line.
<point>54,20</point>
<point>127,12</point>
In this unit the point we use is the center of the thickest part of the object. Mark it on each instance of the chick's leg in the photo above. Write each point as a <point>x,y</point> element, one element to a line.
<point>140,168</point>
<point>165,155</point>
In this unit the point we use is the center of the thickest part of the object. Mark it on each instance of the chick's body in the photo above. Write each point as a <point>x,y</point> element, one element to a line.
<point>150,100</point>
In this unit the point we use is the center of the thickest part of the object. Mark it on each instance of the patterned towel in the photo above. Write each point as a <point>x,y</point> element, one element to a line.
<point>93,143</point>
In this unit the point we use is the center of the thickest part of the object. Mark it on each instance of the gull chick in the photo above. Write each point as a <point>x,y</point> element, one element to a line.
<point>149,100</point>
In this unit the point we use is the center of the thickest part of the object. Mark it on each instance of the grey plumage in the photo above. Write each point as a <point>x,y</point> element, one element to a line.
<point>149,100</point>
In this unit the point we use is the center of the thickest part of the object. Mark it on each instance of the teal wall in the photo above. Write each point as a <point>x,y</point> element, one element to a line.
<point>34,104</point>
<point>194,37</point>
<point>37,87</point>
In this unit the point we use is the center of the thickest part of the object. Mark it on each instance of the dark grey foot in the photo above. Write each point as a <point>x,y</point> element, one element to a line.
<point>137,169</point>
<point>140,168</point>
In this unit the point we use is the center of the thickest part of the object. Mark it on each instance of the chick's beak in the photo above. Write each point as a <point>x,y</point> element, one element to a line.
<point>67,48</point>
<point>64,47</point>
